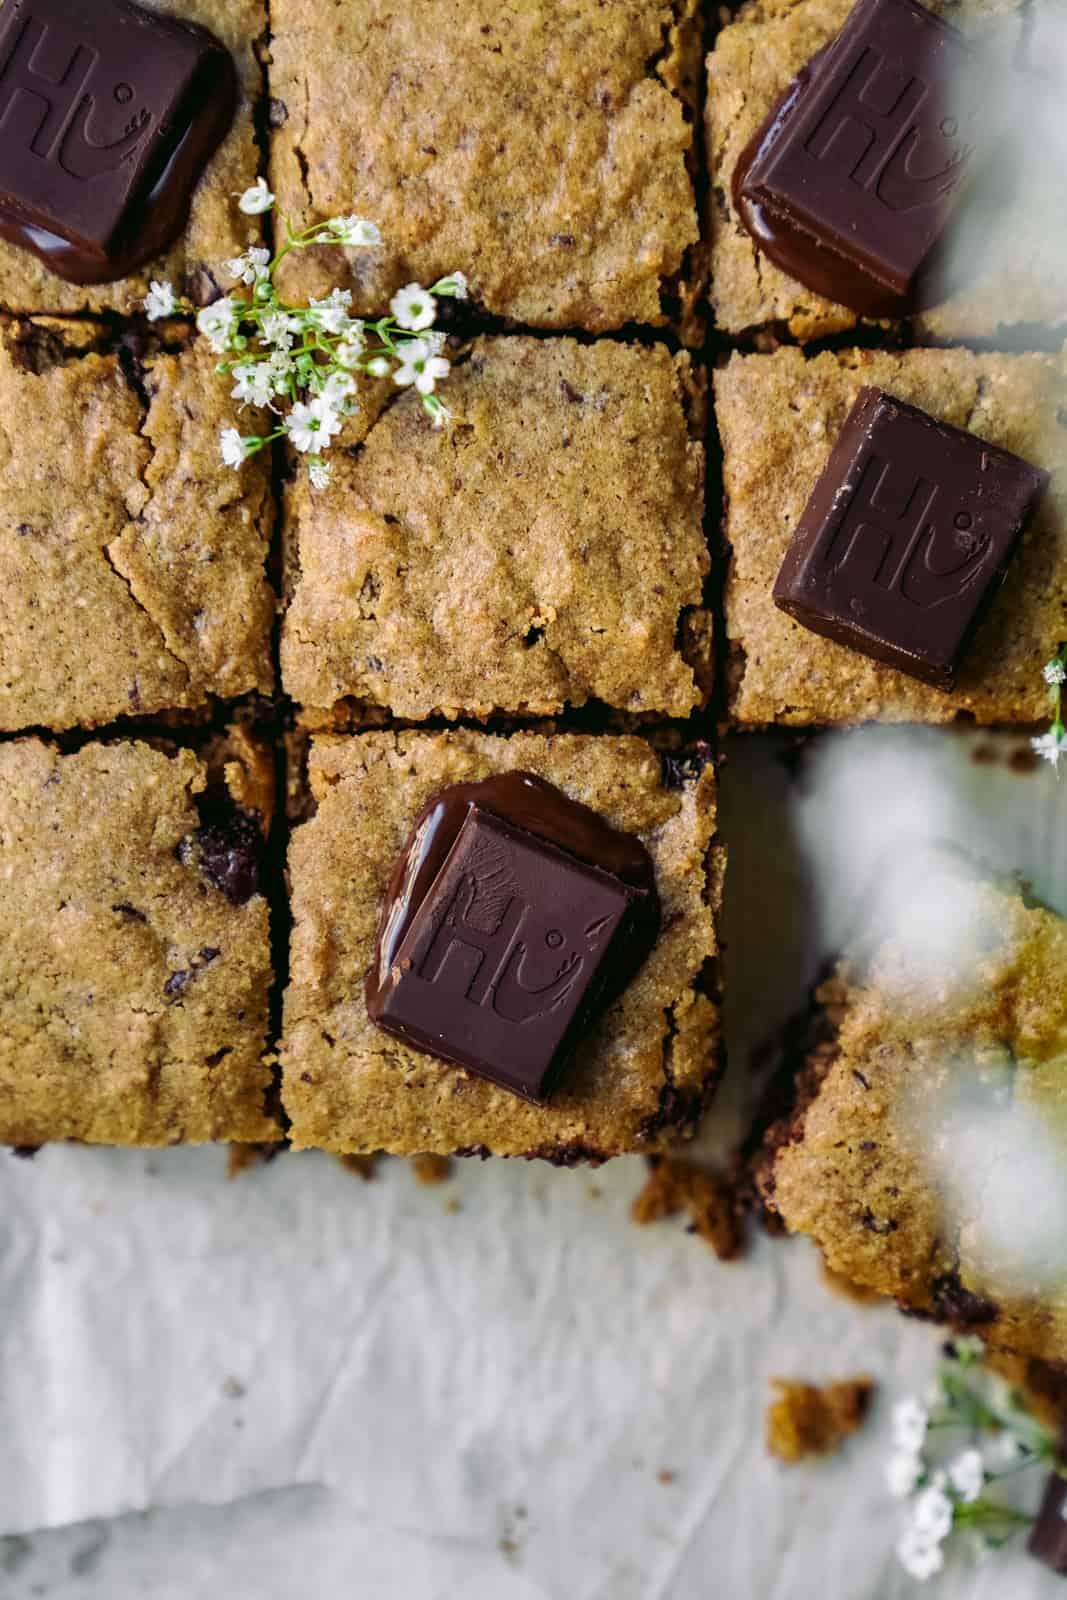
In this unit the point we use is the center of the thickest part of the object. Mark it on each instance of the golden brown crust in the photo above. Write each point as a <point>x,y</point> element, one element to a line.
<point>862,1163</point>
<point>541,148</point>
<point>778,417</point>
<point>544,550</point>
<point>131,559</point>
<point>134,994</point>
<point>347,1086</point>
<point>216,229</point>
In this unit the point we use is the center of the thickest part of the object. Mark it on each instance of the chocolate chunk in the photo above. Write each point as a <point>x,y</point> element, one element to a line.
<point>514,916</point>
<point>1048,1536</point>
<point>682,767</point>
<point>230,853</point>
<point>109,113</point>
<point>954,1303</point>
<point>906,537</point>
<point>851,181</point>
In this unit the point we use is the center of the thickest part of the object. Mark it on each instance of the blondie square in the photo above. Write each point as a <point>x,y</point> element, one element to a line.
<point>541,148</point>
<point>131,559</point>
<point>924,1148</point>
<point>544,550</point>
<point>638,1076</point>
<point>779,416</point>
<point>134,952</point>
<point>754,61</point>
<point>216,230</point>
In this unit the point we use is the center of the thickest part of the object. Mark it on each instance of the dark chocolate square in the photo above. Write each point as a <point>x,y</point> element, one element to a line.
<point>906,537</point>
<point>869,157</point>
<point>96,96</point>
<point>505,957</point>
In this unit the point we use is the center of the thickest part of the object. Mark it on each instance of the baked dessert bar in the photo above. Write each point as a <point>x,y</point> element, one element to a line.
<point>754,62</point>
<point>779,417</point>
<point>216,230</point>
<point>639,1076</point>
<point>131,559</point>
<point>928,1115</point>
<point>134,947</point>
<point>545,550</point>
<point>544,150</point>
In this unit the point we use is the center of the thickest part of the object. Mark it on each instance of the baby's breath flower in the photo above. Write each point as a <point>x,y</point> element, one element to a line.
<point>454,287</point>
<point>932,1514</point>
<point>436,410</point>
<point>354,231</point>
<point>420,367</point>
<point>338,387</point>
<point>920,1558</point>
<point>234,449</point>
<point>331,314</point>
<point>967,1475</point>
<point>250,267</point>
<point>910,1422</point>
<point>311,427</point>
<point>160,301</point>
<point>218,323</point>
<point>255,384</point>
<point>278,328</point>
<point>320,472</point>
<point>414,308</point>
<point>256,200</point>
<point>903,1471</point>
<point>1051,746</point>
<point>379,367</point>
<point>349,353</point>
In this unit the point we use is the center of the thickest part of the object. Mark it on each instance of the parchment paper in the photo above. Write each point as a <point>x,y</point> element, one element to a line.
<point>297,1384</point>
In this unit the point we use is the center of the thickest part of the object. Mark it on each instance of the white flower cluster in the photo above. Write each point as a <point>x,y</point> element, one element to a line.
<point>933,1508</point>
<point>952,1496</point>
<point>1051,746</point>
<point>301,362</point>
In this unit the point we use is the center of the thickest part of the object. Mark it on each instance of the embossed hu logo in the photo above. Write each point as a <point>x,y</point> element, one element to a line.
<point>888,538</point>
<point>883,132</point>
<point>48,102</point>
<point>518,941</point>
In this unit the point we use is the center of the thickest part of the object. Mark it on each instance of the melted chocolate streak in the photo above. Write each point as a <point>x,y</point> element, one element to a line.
<point>542,811</point>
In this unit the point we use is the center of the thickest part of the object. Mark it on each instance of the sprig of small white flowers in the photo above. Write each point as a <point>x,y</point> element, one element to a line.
<point>959,1493</point>
<point>300,362</point>
<point>1053,744</point>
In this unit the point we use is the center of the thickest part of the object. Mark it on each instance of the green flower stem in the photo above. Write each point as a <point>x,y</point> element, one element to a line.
<point>989,1512</point>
